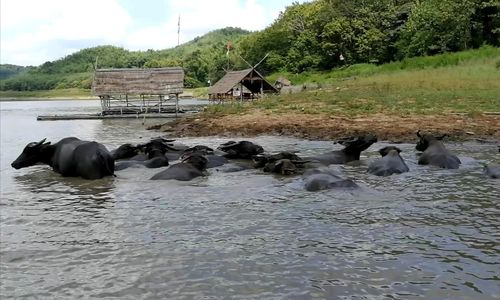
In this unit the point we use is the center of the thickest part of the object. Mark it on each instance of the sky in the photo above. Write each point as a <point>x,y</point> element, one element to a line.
<point>35,31</point>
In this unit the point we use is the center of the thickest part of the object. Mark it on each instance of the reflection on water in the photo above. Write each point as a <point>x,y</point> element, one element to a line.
<point>425,234</point>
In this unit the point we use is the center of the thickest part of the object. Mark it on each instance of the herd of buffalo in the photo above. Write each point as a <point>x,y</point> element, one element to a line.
<point>91,160</point>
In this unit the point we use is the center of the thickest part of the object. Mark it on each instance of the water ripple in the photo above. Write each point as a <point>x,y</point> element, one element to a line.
<point>426,234</point>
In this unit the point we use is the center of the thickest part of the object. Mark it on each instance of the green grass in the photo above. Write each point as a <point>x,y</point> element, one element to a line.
<point>58,93</point>
<point>199,93</point>
<point>465,82</point>
<point>408,64</point>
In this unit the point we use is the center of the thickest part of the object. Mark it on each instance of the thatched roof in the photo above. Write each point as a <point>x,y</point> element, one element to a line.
<point>158,81</point>
<point>250,78</point>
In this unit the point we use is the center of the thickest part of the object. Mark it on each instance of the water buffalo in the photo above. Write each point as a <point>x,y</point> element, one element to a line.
<point>390,163</point>
<point>285,163</point>
<point>281,166</point>
<point>214,160</point>
<point>351,152</point>
<point>125,151</point>
<point>492,171</point>
<point>241,149</point>
<point>155,151</point>
<point>70,157</point>
<point>192,166</point>
<point>323,179</point>
<point>435,153</point>
<point>261,160</point>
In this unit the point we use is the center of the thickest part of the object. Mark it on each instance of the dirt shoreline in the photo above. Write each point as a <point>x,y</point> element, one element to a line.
<point>324,127</point>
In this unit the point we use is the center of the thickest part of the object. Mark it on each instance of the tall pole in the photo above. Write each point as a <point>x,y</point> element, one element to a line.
<point>178,29</point>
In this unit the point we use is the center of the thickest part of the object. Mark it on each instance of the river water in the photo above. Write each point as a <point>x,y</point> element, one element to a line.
<point>426,234</point>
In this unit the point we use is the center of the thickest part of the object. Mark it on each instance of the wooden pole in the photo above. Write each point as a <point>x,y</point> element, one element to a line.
<point>241,91</point>
<point>176,104</point>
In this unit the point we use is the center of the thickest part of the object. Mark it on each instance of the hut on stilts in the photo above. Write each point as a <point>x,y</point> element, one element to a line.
<point>138,91</point>
<point>240,85</point>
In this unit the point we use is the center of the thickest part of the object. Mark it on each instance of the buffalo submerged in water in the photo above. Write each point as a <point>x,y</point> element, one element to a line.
<point>69,157</point>
<point>435,153</point>
<point>91,160</point>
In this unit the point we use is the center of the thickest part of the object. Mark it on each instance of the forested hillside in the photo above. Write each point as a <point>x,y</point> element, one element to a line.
<point>316,36</point>
<point>313,36</point>
<point>7,70</point>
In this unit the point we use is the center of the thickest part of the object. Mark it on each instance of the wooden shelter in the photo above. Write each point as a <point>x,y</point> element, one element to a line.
<point>240,85</point>
<point>136,91</point>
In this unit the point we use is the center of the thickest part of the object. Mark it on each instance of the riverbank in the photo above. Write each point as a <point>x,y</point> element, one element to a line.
<point>322,127</point>
<point>455,94</point>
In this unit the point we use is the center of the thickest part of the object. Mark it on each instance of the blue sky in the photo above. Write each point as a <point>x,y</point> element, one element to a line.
<point>35,31</point>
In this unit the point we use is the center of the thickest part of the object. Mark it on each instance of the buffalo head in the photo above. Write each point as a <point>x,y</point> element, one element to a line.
<point>199,149</point>
<point>281,166</point>
<point>358,144</point>
<point>241,149</point>
<point>426,139</point>
<point>125,151</point>
<point>31,155</point>
<point>197,160</point>
<point>384,151</point>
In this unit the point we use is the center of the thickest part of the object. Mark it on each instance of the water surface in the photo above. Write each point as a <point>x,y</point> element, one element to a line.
<point>426,234</point>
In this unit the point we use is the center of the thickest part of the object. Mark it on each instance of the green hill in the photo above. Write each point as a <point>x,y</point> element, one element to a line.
<point>7,70</point>
<point>200,58</point>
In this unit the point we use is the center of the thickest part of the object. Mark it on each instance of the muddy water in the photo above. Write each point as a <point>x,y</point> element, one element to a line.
<point>427,234</point>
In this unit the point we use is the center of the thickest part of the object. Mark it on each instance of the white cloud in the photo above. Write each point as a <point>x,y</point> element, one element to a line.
<point>34,31</point>
<point>200,17</point>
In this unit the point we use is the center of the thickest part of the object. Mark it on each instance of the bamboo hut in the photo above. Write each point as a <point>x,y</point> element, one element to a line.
<point>240,85</point>
<point>136,91</point>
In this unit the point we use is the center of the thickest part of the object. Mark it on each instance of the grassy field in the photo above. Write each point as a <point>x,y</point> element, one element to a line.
<point>49,94</point>
<point>466,82</point>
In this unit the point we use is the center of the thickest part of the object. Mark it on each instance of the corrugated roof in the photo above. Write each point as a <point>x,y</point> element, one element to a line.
<point>156,81</point>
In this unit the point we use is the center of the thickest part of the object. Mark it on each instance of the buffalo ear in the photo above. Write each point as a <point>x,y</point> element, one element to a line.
<point>278,164</point>
<point>384,151</point>
<point>41,142</point>
<point>36,144</point>
<point>418,134</point>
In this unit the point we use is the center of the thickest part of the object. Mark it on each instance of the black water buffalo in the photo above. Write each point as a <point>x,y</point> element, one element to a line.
<point>192,166</point>
<point>284,163</point>
<point>351,152</point>
<point>154,150</point>
<point>324,179</point>
<point>281,166</point>
<point>492,171</point>
<point>70,157</point>
<point>214,160</point>
<point>125,151</point>
<point>261,160</point>
<point>435,153</point>
<point>390,163</point>
<point>241,149</point>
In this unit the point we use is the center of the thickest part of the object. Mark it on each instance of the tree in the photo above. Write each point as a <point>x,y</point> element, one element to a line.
<point>437,26</point>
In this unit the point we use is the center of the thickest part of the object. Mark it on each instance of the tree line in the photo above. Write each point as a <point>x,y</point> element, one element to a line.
<point>314,36</point>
